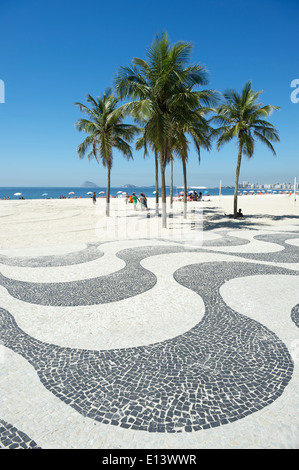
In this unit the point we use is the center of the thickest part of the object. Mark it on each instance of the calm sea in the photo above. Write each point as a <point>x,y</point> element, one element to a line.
<point>56,193</point>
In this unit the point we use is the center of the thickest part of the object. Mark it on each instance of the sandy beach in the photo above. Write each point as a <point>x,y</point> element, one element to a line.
<point>38,223</point>
<point>116,334</point>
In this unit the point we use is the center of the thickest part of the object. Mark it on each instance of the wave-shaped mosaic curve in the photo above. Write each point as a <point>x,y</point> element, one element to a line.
<point>90,253</point>
<point>295,315</point>
<point>13,438</point>
<point>225,368</point>
<point>132,280</point>
<point>289,254</point>
<point>224,240</point>
<point>127,282</point>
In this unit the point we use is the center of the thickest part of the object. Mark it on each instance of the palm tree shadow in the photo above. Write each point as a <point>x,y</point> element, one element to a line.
<point>214,218</point>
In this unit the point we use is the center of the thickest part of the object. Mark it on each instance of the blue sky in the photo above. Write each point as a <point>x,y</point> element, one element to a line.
<point>54,53</point>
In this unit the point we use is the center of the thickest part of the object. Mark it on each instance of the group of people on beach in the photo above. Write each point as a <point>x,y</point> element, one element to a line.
<point>134,199</point>
<point>7,198</point>
<point>195,197</point>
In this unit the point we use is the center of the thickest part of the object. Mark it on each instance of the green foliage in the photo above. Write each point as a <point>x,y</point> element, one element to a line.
<point>163,98</point>
<point>105,128</point>
<point>243,117</point>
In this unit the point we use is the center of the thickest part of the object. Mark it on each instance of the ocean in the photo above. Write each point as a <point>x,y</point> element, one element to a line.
<point>56,193</point>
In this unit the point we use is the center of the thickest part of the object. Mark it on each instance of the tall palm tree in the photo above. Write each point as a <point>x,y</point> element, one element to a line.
<point>241,116</point>
<point>157,87</point>
<point>106,130</point>
<point>190,123</point>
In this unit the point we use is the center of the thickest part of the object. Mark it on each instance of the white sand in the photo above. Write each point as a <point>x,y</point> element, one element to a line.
<point>71,223</point>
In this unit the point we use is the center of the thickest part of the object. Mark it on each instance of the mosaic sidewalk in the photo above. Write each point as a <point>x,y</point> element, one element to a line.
<point>144,344</point>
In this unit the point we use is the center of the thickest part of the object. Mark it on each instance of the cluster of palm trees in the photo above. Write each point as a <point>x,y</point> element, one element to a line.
<point>164,97</point>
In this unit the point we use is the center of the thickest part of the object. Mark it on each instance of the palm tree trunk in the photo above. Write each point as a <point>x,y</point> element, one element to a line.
<point>157,182</point>
<point>171,182</point>
<point>185,187</point>
<point>108,193</point>
<point>237,180</point>
<point>163,187</point>
<point>163,162</point>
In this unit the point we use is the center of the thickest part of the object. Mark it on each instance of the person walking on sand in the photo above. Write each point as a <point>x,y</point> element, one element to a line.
<point>135,199</point>
<point>141,200</point>
<point>145,202</point>
<point>94,198</point>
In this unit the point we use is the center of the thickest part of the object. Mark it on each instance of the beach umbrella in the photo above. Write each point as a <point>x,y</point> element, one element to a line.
<point>101,192</point>
<point>45,194</point>
<point>89,192</point>
<point>71,192</point>
<point>17,194</point>
<point>119,192</point>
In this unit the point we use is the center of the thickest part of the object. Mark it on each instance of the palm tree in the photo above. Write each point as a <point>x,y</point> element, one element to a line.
<point>157,87</point>
<point>190,123</point>
<point>106,130</point>
<point>242,116</point>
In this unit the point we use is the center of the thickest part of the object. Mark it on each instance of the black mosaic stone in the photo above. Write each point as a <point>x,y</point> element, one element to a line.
<point>90,253</point>
<point>13,438</point>
<point>129,281</point>
<point>224,368</point>
<point>295,315</point>
<point>132,280</point>
<point>289,253</point>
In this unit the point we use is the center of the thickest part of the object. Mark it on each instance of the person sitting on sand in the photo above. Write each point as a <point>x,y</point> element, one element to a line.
<point>239,214</point>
